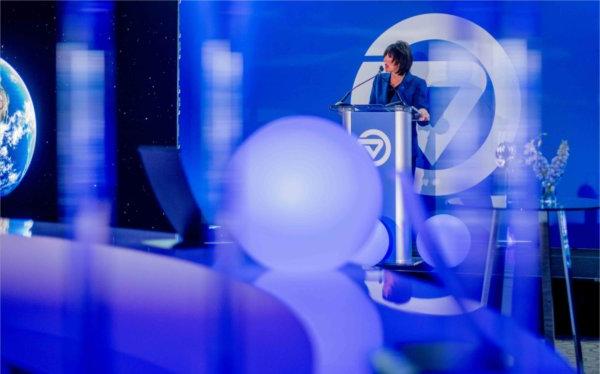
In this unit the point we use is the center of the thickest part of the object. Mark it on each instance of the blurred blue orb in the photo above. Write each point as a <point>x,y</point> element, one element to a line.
<point>302,195</point>
<point>373,251</point>
<point>451,236</point>
<point>17,129</point>
<point>342,323</point>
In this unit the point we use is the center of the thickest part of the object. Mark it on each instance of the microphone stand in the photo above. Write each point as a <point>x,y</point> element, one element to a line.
<point>341,101</point>
<point>414,111</point>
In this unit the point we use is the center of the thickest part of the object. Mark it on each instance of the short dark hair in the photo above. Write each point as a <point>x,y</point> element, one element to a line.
<point>401,54</point>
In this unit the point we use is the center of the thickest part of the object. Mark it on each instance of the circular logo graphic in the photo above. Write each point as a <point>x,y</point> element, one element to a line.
<point>507,95</point>
<point>377,144</point>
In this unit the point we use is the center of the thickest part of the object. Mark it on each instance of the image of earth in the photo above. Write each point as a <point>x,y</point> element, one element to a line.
<point>17,129</point>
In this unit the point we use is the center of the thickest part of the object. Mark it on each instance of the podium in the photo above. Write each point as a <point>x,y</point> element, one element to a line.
<point>385,132</point>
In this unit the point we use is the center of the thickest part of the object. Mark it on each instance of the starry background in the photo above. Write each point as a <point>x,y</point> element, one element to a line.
<point>145,46</point>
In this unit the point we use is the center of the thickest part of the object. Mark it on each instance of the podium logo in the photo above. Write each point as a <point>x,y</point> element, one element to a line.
<point>468,76</point>
<point>375,141</point>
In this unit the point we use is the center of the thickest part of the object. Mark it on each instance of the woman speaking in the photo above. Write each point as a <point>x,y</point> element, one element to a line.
<point>397,84</point>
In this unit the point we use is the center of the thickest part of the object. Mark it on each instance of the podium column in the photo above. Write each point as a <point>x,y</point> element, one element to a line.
<point>403,165</point>
<point>378,129</point>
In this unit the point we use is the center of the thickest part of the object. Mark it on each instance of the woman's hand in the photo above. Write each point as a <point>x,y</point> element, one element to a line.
<point>423,114</point>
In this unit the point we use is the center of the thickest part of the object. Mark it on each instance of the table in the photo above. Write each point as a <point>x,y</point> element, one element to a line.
<point>560,208</point>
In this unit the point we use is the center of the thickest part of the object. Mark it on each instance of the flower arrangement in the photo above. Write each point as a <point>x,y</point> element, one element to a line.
<point>505,158</point>
<point>548,172</point>
<point>505,154</point>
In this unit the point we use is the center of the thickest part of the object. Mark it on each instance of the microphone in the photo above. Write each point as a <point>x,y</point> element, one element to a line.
<point>413,111</point>
<point>400,100</point>
<point>341,101</point>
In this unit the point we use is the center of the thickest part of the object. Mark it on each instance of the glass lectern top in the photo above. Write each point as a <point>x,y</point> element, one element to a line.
<point>369,108</point>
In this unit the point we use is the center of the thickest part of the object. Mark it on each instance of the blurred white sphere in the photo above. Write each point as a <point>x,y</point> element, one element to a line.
<point>302,195</point>
<point>452,237</point>
<point>375,248</point>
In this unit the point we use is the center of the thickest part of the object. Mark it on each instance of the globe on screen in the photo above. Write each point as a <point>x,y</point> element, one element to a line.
<point>17,129</point>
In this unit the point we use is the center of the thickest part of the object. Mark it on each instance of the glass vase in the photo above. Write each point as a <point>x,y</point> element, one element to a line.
<point>548,196</point>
